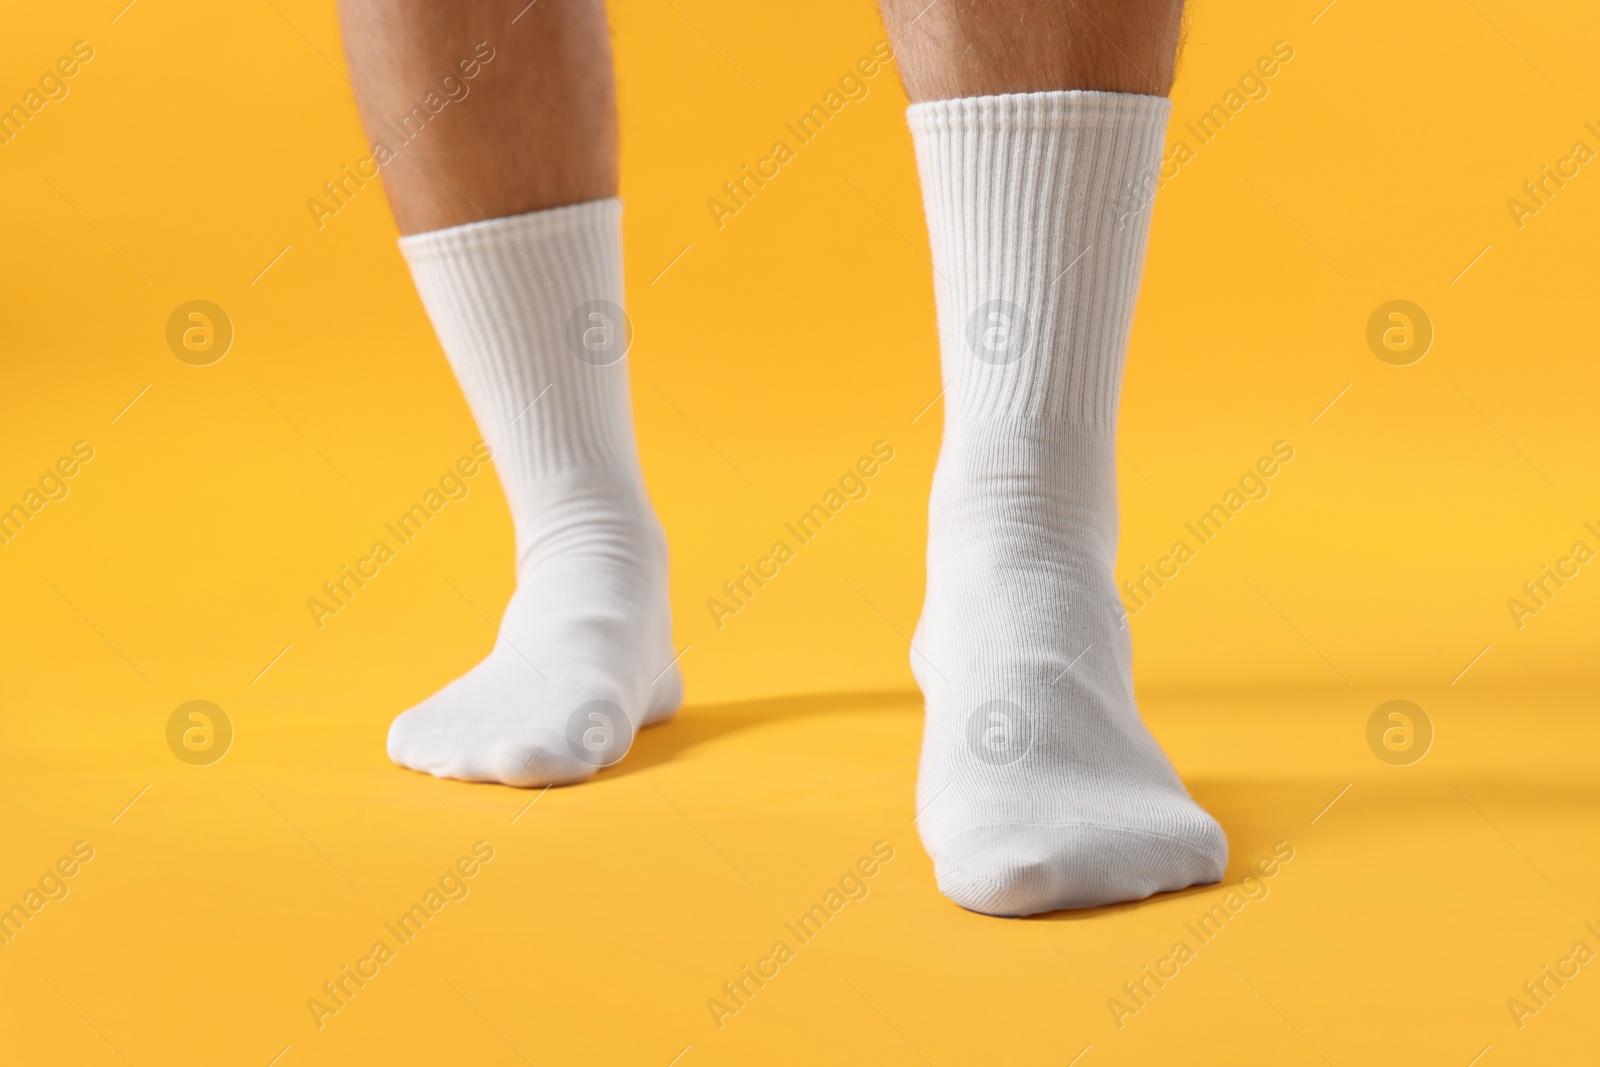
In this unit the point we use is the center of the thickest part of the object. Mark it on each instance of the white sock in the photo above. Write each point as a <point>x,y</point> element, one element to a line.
<point>1040,787</point>
<point>528,311</point>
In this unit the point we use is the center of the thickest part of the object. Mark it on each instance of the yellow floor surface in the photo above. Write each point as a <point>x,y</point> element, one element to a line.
<point>1405,906</point>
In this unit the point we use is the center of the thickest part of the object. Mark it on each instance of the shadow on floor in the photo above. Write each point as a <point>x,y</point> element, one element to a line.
<point>697,724</point>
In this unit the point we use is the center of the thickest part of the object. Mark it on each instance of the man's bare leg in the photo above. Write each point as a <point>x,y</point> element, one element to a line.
<point>537,128</point>
<point>1039,127</point>
<point>497,145</point>
<point>955,48</point>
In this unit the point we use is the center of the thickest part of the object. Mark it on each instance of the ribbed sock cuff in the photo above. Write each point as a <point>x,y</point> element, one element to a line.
<point>512,301</point>
<point>1038,208</point>
<point>589,220</point>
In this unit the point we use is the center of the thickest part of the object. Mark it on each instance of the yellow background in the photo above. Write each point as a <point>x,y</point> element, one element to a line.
<point>772,353</point>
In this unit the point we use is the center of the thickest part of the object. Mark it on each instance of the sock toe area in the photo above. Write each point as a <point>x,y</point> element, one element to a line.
<point>532,763</point>
<point>524,756</point>
<point>1011,869</point>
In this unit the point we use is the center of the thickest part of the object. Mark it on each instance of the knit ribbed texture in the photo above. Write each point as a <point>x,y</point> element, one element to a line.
<point>1040,200</point>
<point>529,311</point>
<point>1040,787</point>
<point>502,294</point>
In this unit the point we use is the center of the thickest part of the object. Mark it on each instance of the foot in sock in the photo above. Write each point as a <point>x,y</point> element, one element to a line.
<point>528,311</point>
<point>583,656</point>
<point>1040,788</point>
